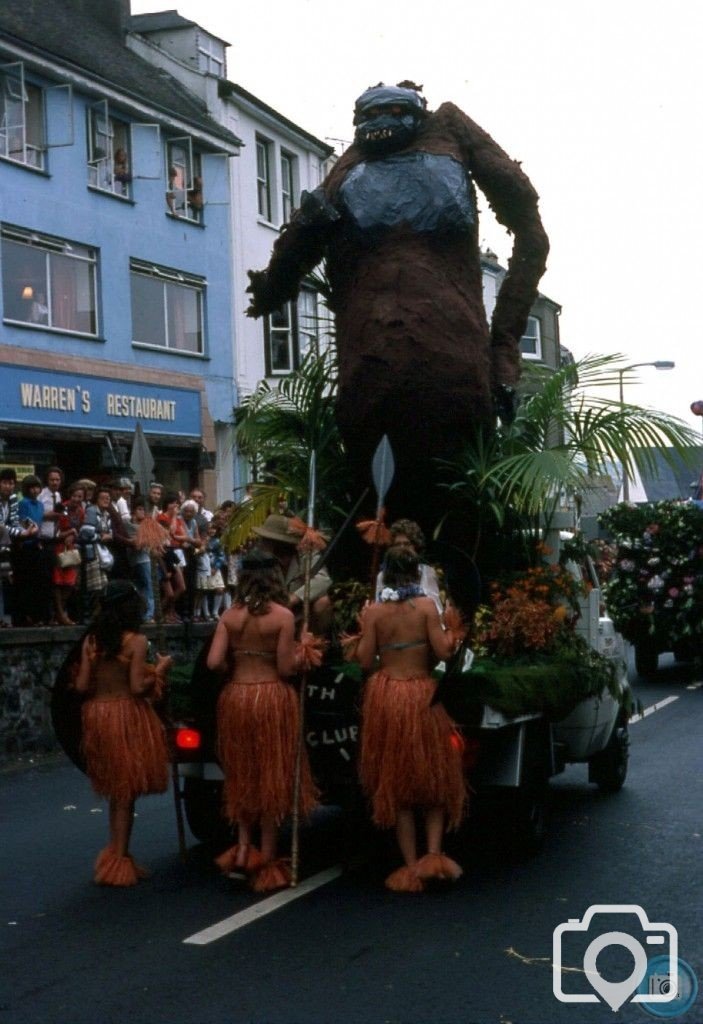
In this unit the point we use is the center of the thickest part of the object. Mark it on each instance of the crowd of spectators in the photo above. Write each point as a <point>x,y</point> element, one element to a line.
<point>59,546</point>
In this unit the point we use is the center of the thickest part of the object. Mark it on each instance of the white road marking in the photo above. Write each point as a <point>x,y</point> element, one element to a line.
<point>654,707</point>
<point>261,909</point>
<point>695,686</point>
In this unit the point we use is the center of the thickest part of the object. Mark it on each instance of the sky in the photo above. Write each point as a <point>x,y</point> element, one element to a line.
<point>600,100</point>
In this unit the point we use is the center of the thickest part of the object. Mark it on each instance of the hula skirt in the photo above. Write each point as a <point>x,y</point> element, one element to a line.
<point>125,747</point>
<point>257,739</point>
<point>409,756</point>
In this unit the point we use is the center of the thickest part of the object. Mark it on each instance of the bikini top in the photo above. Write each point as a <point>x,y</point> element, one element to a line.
<point>403,645</point>
<point>254,654</point>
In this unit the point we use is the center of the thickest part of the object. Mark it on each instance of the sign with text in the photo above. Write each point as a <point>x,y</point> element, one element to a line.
<point>47,398</point>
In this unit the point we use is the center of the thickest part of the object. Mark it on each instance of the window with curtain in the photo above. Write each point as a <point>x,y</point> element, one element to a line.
<point>108,152</point>
<point>263,177</point>
<point>48,282</point>
<point>287,186</point>
<point>167,308</point>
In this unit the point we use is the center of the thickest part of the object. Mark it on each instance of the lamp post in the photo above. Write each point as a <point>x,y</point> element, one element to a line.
<point>658,364</point>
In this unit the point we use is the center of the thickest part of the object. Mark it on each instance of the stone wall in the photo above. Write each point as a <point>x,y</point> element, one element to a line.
<point>30,660</point>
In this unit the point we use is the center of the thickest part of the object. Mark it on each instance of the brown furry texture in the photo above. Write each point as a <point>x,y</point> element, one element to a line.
<point>407,758</point>
<point>417,358</point>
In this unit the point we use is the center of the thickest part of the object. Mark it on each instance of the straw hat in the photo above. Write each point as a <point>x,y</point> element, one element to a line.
<point>276,528</point>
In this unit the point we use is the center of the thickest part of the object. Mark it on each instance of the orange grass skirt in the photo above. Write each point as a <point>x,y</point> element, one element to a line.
<point>257,739</point>
<point>407,758</point>
<point>125,747</point>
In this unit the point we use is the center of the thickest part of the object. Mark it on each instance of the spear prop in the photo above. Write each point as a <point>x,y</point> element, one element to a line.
<point>295,837</point>
<point>382,473</point>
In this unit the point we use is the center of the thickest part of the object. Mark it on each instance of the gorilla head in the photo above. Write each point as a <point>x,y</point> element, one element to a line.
<point>387,117</point>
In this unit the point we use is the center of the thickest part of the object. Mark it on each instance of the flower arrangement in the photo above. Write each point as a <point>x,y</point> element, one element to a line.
<point>655,590</point>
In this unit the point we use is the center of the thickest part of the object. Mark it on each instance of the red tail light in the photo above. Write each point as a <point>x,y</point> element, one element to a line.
<point>188,739</point>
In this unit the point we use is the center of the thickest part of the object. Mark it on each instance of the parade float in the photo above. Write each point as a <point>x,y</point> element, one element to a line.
<point>419,411</point>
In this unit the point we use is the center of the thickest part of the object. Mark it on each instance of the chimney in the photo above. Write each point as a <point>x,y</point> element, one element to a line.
<point>112,14</point>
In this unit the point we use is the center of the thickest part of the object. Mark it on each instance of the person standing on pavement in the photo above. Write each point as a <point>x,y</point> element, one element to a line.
<point>258,720</point>
<point>408,760</point>
<point>32,592</point>
<point>50,497</point>
<point>11,532</point>
<point>123,738</point>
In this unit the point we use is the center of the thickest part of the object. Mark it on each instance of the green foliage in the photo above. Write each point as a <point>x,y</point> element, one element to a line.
<point>550,684</point>
<point>511,481</point>
<point>655,589</point>
<point>277,429</point>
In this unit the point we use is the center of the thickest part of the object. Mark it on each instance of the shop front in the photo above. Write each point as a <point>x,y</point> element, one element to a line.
<point>85,423</point>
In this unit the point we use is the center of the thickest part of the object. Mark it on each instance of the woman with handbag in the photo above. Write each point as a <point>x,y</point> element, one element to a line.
<point>98,568</point>
<point>68,555</point>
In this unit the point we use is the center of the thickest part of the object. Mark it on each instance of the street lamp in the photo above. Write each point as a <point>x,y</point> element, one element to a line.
<point>658,364</point>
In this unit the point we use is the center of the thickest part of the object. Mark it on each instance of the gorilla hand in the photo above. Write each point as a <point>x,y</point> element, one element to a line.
<point>259,289</point>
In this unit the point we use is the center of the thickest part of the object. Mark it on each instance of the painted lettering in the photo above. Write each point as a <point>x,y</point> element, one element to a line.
<point>47,397</point>
<point>85,401</point>
<point>141,408</point>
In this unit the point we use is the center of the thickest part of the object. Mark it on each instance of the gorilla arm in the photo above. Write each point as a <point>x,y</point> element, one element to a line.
<point>514,202</point>
<point>297,251</point>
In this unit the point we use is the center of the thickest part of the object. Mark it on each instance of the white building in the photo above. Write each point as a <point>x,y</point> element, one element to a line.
<point>278,160</point>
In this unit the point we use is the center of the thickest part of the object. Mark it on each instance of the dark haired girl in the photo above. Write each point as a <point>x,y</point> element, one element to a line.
<point>123,738</point>
<point>408,757</point>
<point>258,720</point>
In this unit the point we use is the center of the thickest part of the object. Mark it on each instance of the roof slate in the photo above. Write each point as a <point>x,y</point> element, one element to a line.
<point>65,31</point>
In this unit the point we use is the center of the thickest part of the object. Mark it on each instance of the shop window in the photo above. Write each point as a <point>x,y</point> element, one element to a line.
<point>291,332</point>
<point>287,186</point>
<point>184,192</point>
<point>531,341</point>
<point>108,151</point>
<point>167,308</point>
<point>48,282</point>
<point>263,177</point>
<point>21,118</point>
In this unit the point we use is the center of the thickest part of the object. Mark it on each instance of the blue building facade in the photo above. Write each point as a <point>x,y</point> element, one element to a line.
<point>115,252</point>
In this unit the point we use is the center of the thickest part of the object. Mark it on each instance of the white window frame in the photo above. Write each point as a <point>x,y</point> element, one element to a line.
<point>50,245</point>
<point>167,276</point>
<point>288,198</point>
<point>181,188</point>
<point>308,322</point>
<point>532,338</point>
<point>21,94</point>
<point>211,50</point>
<point>273,333</point>
<point>264,150</point>
<point>106,136</point>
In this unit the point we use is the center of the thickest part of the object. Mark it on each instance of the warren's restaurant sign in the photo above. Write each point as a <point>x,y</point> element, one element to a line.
<point>100,403</point>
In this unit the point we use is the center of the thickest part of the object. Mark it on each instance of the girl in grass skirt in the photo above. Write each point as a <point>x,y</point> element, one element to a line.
<point>410,758</point>
<point>123,738</point>
<point>258,720</point>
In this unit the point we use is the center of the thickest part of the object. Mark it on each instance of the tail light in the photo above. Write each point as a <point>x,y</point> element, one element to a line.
<point>188,739</point>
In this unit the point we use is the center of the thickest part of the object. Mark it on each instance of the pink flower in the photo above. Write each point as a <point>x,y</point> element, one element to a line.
<point>673,592</point>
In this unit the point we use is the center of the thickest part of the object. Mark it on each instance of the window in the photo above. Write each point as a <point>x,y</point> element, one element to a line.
<point>280,354</point>
<point>167,308</point>
<point>531,341</point>
<point>48,282</point>
<point>184,192</point>
<point>263,177</point>
<point>108,151</point>
<point>291,332</point>
<point>287,186</point>
<point>211,58</point>
<point>21,117</point>
<point>308,322</point>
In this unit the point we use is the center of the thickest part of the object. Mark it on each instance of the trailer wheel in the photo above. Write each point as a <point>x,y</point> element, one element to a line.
<point>528,819</point>
<point>646,658</point>
<point>203,806</point>
<point>608,769</point>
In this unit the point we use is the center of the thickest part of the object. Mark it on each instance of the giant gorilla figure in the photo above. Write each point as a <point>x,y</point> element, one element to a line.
<point>396,222</point>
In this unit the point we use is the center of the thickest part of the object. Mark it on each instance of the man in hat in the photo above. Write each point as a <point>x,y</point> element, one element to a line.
<point>278,539</point>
